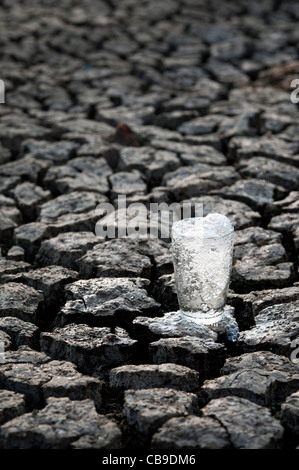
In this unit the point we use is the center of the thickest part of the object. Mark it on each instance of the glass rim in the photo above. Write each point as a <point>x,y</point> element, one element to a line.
<point>180,231</point>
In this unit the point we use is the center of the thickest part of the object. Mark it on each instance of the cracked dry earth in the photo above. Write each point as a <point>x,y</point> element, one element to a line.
<point>170,101</point>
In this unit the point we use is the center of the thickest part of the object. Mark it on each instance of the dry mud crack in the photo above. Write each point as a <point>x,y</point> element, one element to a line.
<point>173,101</point>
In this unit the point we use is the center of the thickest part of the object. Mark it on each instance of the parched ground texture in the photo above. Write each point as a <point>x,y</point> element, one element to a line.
<point>161,101</point>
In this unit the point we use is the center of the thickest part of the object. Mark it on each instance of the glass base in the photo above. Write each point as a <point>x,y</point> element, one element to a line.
<point>213,317</point>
